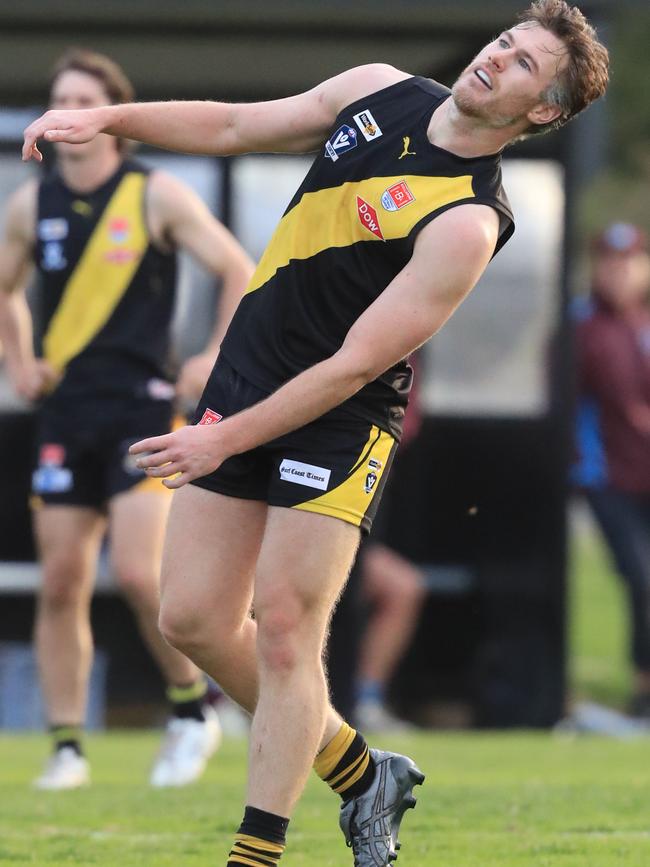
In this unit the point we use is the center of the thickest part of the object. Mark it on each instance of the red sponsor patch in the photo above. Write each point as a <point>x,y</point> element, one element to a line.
<point>210,417</point>
<point>368,217</point>
<point>121,256</point>
<point>397,196</point>
<point>52,455</point>
<point>118,229</point>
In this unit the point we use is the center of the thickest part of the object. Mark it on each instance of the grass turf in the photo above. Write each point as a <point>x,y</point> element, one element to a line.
<point>496,799</point>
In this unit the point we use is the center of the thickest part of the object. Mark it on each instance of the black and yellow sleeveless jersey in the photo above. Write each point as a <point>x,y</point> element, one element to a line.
<point>347,232</point>
<point>107,294</point>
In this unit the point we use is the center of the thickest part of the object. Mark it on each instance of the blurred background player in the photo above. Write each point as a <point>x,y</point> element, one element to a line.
<point>613,355</point>
<point>103,231</point>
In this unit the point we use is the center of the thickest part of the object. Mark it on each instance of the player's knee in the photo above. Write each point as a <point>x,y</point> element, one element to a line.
<point>62,584</point>
<point>280,632</point>
<point>409,594</point>
<point>137,584</point>
<point>183,628</point>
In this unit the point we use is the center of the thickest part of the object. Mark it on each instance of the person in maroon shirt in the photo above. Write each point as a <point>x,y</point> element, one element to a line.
<point>613,355</point>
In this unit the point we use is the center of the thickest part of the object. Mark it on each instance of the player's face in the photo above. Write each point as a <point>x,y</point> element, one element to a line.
<point>75,89</point>
<point>503,85</point>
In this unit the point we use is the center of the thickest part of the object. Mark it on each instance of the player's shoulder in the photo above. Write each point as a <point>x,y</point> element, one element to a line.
<point>360,82</point>
<point>168,191</point>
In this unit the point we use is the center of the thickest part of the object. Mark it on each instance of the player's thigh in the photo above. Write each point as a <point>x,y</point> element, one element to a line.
<point>68,540</point>
<point>137,530</point>
<point>304,562</point>
<point>210,554</point>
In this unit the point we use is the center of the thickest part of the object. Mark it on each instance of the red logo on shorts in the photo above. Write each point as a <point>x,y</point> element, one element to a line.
<point>210,417</point>
<point>368,217</point>
<point>52,455</point>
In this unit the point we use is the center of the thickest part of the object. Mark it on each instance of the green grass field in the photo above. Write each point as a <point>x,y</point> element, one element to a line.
<point>490,800</point>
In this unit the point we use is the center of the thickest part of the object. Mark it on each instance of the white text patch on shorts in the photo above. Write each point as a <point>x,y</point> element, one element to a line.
<point>304,474</point>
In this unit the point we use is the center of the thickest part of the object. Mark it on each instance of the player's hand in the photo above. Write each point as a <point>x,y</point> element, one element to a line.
<point>194,375</point>
<point>35,379</point>
<point>185,454</point>
<point>75,126</point>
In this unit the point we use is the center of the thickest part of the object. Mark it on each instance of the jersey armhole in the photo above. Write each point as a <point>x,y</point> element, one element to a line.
<point>506,222</point>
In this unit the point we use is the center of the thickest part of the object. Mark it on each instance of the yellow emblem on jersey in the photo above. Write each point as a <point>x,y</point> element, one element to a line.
<point>406,152</point>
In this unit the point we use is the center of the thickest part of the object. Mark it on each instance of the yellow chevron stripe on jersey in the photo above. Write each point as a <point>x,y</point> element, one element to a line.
<point>329,218</point>
<point>350,498</point>
<point>101,277</point>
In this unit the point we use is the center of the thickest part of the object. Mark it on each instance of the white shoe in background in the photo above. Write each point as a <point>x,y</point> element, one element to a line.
<point>373,716</point>
<point>65,769</point>
<point>185,750</point>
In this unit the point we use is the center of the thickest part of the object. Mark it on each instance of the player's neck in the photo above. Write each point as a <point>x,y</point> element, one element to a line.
<point>83,175</point>
<point>465,136</point>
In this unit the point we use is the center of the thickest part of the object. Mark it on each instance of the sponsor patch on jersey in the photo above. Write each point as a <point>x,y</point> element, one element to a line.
<point>53,229</point>
<point>305,474</point>
<point>53,258</point>
<point>210,417</point>
<point>396,197</point>
<point>51,455</point>
<point>368,125</point>
<point>119,230</point>
<point>52,480</point>
<point>368,216</point>
<point>121,256</point>
<point>374,464</point>
<point>343,140</point>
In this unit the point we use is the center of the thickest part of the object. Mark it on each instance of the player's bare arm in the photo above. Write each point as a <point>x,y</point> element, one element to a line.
<point>450,255</point>
<point>179,218</point>
<point>30,376</point>
<point>296,124</point>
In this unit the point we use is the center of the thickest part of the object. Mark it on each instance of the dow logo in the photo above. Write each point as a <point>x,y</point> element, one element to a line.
<point>369,219</point>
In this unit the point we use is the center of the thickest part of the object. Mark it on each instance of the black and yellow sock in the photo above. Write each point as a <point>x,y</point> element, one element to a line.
<point>66,736</point>
<point>346,764</point>
<point>187,701</point>
<point>260,839</point>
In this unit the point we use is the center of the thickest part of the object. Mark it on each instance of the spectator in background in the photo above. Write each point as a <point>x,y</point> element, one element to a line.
<point>394,589</point>
<point>103,231</point>
<point>613,355</point>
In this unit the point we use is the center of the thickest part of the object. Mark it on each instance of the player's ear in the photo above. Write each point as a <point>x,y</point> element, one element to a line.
<point>544,112</point>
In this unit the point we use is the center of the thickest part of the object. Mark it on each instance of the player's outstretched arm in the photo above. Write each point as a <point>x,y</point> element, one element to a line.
<point>297,124</point>
<point>450,255</point>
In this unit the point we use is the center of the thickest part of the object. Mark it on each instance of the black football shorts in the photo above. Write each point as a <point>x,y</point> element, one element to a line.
<point>336,465</point>
<point>82,451</point>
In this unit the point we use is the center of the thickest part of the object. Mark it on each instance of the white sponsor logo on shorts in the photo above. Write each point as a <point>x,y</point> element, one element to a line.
<point>305,474</point>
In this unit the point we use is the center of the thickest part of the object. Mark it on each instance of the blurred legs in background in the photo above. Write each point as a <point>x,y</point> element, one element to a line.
<point>395,591</point>
<point>624,520</point>
<point>69,540</point>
